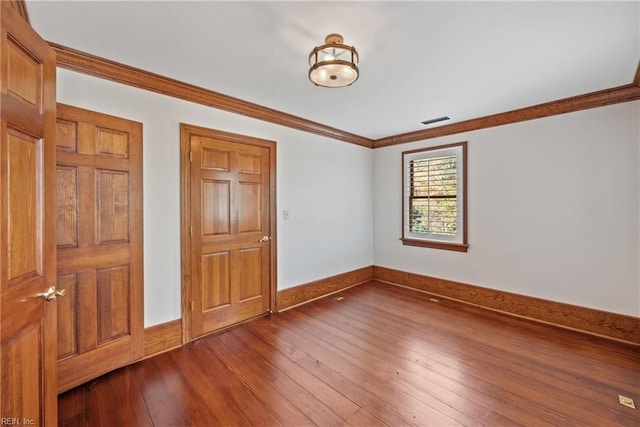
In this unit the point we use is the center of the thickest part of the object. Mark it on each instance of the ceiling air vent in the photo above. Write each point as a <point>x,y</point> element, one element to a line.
<point>437,119</point>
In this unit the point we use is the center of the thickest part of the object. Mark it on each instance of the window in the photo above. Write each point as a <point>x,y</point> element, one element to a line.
<point>434,203</point>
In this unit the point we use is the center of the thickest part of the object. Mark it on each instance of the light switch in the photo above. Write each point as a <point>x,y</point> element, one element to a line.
<point>285,214</point>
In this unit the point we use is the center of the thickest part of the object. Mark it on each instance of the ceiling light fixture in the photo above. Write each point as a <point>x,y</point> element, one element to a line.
<point>333,64</point>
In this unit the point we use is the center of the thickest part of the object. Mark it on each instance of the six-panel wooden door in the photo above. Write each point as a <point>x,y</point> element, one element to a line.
<point>27,224</point>
<point>231,229</point>
<point>99,243</point>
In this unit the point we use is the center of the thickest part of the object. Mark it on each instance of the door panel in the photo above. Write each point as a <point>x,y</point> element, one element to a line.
<point>24,74</point>
<point>112,206</point>
<point>27,223</point>
<point>216,288</point>
<point>216,215</point>
<point>68,317</point>
<point>112,142</point>
<point>67,135</point>
<point>99,222</point>
<point>25,202</point>
<point>250,267</point>
<point>230,204</point>
<point>113,303</point>
<point>249,212</point>
<point>25,350</point>
<point>67,206</point>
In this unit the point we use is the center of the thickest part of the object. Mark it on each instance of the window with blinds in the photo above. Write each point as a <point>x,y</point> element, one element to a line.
<point>434,197</point>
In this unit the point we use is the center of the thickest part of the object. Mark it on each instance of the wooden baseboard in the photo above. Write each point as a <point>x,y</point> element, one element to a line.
<point>163,337</point>
<point>292,297</point>
<point>597,322</point>
<point>167,336</point>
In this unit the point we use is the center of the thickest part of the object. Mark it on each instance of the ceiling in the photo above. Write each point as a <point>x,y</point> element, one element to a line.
<point>418,60</point>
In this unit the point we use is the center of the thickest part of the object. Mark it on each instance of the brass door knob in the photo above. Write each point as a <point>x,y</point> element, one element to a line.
<point>52,293</point>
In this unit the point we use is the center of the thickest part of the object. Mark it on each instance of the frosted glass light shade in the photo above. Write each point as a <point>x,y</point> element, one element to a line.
<point>333,64</point>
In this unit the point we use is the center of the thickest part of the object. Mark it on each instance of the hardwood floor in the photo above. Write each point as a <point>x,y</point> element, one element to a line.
<point>373,355</point>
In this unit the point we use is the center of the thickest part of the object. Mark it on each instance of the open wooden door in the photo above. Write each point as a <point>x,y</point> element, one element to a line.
<point>231,220</point>
<point>99,244</point>
<point>27,224</point>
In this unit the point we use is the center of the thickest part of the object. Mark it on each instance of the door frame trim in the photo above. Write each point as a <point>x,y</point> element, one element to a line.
<point>186,132</point>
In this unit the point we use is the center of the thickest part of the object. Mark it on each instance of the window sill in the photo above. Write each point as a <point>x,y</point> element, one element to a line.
<point>458,247</point>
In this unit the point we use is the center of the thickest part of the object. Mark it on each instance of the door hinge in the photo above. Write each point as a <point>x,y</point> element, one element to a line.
<point>191,305</point>
<point>191,156</point>
<point>191,231</point>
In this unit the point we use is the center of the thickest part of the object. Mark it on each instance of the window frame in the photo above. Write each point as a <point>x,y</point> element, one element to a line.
<point>454,243</point>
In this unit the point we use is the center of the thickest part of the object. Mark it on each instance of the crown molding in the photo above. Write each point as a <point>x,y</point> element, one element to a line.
<point>75,60</point>
<point>82,62</point>
<point>630,92</point>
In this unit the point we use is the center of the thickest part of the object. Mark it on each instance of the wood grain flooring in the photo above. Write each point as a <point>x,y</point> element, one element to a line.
<point>372,355</point>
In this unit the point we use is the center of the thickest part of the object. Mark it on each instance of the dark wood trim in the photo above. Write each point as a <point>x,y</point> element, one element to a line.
<point>589,320</point>
<point>298,295</point>
<point>186,132</point>
<point>163,337</point>
<point>185,231</point>
<point>82,62</point>
<point>630,92</point>
<point>92,65</point>
<point>465,197</point>
<point>458,247</point>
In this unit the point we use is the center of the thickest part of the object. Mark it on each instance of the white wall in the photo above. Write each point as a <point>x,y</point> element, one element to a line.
<point>553,203</point>
<point>325,184</point>
<point>553,210</point>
